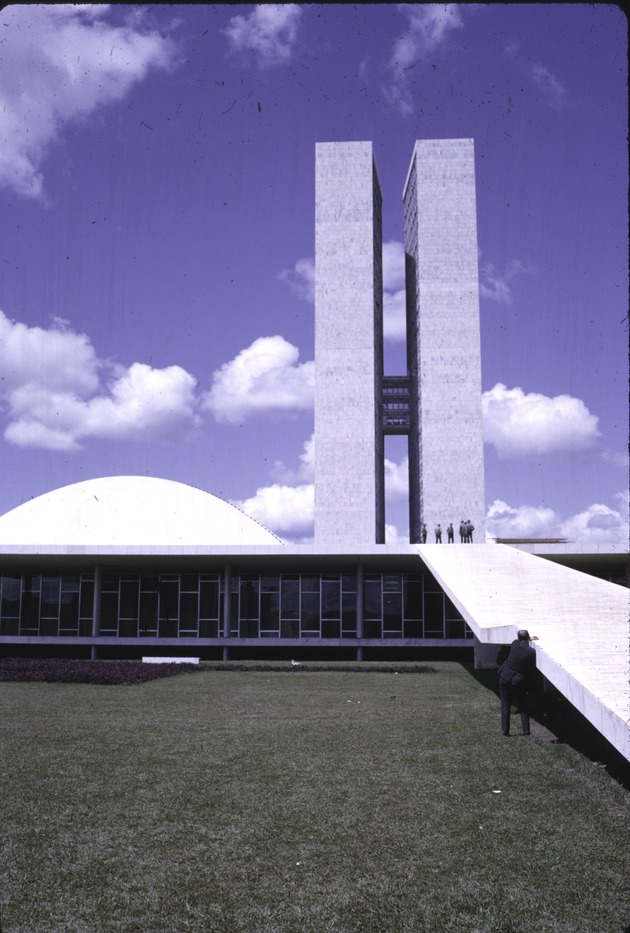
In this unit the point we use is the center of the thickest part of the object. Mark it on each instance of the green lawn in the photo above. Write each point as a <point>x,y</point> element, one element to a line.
<point>298,801</point>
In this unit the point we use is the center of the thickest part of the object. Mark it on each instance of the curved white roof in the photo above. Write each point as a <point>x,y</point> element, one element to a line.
<point>130,510</point>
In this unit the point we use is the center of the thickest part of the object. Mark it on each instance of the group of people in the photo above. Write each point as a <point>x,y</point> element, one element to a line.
<point>466,529</point>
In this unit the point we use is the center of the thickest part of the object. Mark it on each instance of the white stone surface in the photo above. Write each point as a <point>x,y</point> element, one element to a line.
<point>349,484</point>
<point>581,623</point>
<point>152,660</point>
<point>446,448</point>
<point>127,511</point>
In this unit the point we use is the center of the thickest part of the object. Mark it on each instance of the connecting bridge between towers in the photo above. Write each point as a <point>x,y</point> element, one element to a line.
<point>396,401</point>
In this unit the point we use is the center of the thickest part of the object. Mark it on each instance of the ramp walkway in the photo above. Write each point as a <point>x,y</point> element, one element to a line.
<point>582,623</point>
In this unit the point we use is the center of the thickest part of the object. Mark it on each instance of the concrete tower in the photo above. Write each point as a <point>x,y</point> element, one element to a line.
<point>437,402</point>
<point>443,343</point>
<point>349,452</point>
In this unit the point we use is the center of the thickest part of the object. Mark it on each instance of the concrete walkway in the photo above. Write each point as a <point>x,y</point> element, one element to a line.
<point>582,623</point>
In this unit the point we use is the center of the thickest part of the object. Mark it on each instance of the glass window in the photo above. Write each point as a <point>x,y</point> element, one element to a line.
<point>310,613</point>
<point>189,583</point>
<point>290,628</point>
<point>331,601</point>
<point>269,584</point>
<point>208,628</point>
<point>167,628</point>
<point>310,583</point>
<point>69,612</point>
<point>148,613</point>
<point>349,612</point>
<point>434,615</point>
<point>169,598</point>
<point>209,599</point>
<point>392,612</point>
<point>128,628</point>
<point>331,628</point>
<point>270,611</point>
<point>249,608</point>
<point>109,612</point>
<point>349,583</point>
<point>290,595</point>
<point>50,597</point>
<point>86,607</point>
<point>11,587</point>
<point>372,608</point>
<point>189,613</point>
<point>413,599</point>
<point>129,599</point>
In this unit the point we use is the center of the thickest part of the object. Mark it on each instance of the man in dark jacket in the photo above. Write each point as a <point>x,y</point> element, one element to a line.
<point>515,677</point>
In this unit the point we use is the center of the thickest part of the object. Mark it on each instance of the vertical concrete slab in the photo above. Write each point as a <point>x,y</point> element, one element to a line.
<point>349,452</point>
<point>446,439</point>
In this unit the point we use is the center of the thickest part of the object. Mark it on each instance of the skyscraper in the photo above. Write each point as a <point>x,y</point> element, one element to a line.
<point>437,402</point>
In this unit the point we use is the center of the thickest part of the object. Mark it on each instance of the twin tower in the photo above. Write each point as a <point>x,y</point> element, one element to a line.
<point>437,402</point>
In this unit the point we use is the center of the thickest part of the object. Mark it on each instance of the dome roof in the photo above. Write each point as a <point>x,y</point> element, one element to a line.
<point>130,510</point>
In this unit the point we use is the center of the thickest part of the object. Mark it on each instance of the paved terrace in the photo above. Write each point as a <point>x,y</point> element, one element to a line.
<point>581,623</point>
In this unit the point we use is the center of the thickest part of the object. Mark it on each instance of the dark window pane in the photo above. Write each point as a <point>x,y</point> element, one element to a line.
<point>270,611</point>
<point>128,628</point>
<point>129,600</point>
<point>208,628</point>
<point>372,609</point>
<point>349,612</point>
<point>149,582</point>
<point>391,583</point>
<point>169,599</point>
<point>50,597</point>
<point>167,628</point>
<point>11,587</point>
<point>434,615</point>
<point>290,628</point>
<point>413,629</point>
<point>290,594</point>
<point>249,628</point>
<point>249,608</point>
<point>110,581</point>
<point>310,583</point>
<point>148,612</point>
<point>372,628</point>
<point>189,583</point>
<point>32,583</point>
<point>392,611</point>
<point>310,612</point>
<point>70,584</point>
<point>30,610</point>
<point>349,583</point>
<point>331,607</point>
<point>269,584</point>
<point>189,612</point>
<point>209,599</point>
<point>413,599</point>
<point>11,627</point>
<point>330,629</point>
<point>69,611</point>
<point>49,627</point>
<point>109,612</point>
<point>86,607</point>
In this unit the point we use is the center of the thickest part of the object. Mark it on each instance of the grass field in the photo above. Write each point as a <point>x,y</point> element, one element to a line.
<point>299,803</point>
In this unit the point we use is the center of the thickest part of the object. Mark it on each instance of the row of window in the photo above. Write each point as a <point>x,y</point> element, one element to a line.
<point>191,605</point>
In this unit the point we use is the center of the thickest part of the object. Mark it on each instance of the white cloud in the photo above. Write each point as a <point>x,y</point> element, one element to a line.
<point>526,521</point>
<point>598,526</point>
<point>553,92</point>
<point>265,378</point>
<point>285,510</point>
<point>429,26</point>
<point>497,286</point>
<point>533,425</point>
<point>301,279</point>
<point>269,32</point>
<point>396,479</point>
<point>59,63</point>
<point>305,471</point>
<point>53,398</point>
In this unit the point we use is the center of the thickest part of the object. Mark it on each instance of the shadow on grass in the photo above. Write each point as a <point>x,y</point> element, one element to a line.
<point>554,719</point>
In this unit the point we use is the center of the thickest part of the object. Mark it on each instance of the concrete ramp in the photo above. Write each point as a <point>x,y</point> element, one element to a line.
<point>582,623</point>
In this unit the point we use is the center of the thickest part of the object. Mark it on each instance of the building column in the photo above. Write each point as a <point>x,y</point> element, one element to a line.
<point>360,608</point>
<point>96,608</point>
<point>227,598</point>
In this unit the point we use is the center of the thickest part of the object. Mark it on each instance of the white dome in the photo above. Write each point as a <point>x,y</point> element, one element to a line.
<point>130,510</point>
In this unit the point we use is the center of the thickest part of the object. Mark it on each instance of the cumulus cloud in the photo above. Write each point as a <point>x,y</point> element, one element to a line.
<point>428,27</point>
<point>552,91</point>
<point>269,32</point>
<point>53,397</point>
<point>520,424</point>
<point>305,471</point>
<point>497,286</point>
<point>301,279</point>
<point>598,526</point>
<point>286,510</point>
<point>396,479</point>
<point>265,378</point>
<point>60,63</point>
<point>526,521</point>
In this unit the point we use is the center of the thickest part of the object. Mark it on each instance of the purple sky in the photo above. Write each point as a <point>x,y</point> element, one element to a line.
<point>157,240</point>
